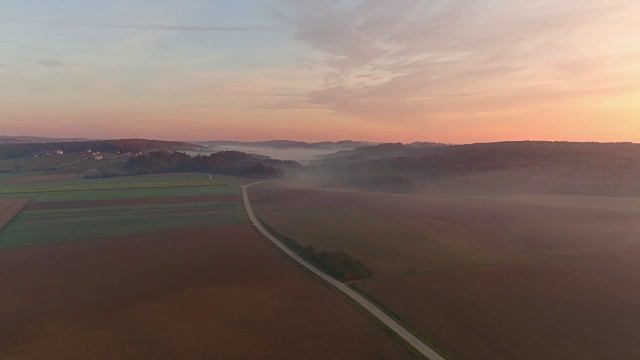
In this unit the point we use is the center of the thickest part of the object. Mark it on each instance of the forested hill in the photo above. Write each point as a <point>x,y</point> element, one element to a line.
<point>378,151</point>
<point>224,162</point>
<point>527,166</point>
<point>8,151</point>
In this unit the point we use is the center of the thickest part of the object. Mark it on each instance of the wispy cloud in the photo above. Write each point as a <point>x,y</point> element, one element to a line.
<point>243,90</point>
<point>284,107</point>
<point>186,28</point>
<point>53,63</point>
<point>59,65</point>
<point>414,59</point>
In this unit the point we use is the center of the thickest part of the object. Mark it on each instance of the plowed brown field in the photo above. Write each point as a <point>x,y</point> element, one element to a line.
<point>9,208</point>
<point>518,311</point>
<point>558,277</point>
<point>214,293</point>
<point>500,225</point>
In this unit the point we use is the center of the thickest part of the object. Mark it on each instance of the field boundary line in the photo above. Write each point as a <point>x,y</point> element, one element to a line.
<point>411,340</point>
<point>37,190</point>
<point>607,282</point>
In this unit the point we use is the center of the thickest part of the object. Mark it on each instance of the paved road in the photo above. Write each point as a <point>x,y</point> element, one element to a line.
<point>366,304</point>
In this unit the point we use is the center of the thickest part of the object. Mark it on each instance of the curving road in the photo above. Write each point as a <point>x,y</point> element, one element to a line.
<point>403,333</point>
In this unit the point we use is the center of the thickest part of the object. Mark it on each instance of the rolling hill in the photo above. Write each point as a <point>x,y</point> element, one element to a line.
<point>511,167</point>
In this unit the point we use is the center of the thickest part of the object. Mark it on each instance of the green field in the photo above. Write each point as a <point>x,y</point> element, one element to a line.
<point>114,194</point>
<point>42,226</point>
<point>40,163</point>
<point>129,187</point>
<point>92,184</point>
<point>90,221</point>
<point>24,169</point>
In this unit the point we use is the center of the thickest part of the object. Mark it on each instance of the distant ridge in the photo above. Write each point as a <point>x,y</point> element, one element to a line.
<point>288,144</point>
<point>514,166</point>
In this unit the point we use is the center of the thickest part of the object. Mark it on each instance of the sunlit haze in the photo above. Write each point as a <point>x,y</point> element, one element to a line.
<point>404,70</point>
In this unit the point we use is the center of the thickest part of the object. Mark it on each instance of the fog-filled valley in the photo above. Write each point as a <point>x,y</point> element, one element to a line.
<point>507,168</point>
<point>551,229</point>
<point>459,243</point>
<point>302,152</point>
<point>320,180</point>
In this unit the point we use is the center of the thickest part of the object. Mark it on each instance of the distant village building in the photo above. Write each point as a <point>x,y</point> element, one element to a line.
<point>59,152</point>
<point>98,157</point>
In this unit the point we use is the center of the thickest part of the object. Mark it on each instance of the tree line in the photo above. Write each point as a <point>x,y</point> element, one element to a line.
<point>224,162</point>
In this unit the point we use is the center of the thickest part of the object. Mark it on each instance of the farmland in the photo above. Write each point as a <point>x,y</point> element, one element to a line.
<point>85,223</point>
<point>76,164</point>
<point>491,276</point>
<point>9,208</point>
<point>535,310</point>
<point>367,237</point>
<point>102,193</point>
<point>212,292</point>
<point>86,209</point>
<point>41,162</point>
<point>159,266</point>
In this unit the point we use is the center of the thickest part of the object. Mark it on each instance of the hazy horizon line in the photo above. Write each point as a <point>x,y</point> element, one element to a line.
<point>323,141</point>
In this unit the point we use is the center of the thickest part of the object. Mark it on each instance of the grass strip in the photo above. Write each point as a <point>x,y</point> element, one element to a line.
<point>300,251</point>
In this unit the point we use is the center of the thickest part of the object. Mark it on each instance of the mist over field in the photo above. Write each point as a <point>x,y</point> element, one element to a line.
<point>485,168</point>
<point>454,240</point>
<point>320,179</point>
<point>472,241</point>
<point>299,151</point>
<point>304,156</point>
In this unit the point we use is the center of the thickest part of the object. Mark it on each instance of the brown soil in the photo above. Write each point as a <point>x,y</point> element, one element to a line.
<point>560,280</point>
<point>215,293</point>
<point>10,208</point>
<point>617,266</point>
<point>499,225</point>
<point>525,311</point>
<point>55,205</point>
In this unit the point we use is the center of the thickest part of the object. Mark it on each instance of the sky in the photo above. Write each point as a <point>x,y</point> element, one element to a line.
<point>453,71</point>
